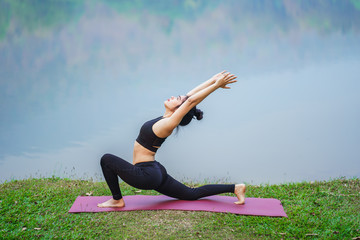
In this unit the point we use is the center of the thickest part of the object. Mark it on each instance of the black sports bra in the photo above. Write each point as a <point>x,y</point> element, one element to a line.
<point>147,137</point>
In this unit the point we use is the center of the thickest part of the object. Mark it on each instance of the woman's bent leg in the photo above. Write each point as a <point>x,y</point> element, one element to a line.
<point>146,175</point>
<point>111,167</point>
<point>175,189</point>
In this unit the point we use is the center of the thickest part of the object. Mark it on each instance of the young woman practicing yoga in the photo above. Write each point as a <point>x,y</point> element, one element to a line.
<point>145,172</point>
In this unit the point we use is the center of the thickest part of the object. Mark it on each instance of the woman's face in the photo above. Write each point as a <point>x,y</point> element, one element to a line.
<point>174,102</point>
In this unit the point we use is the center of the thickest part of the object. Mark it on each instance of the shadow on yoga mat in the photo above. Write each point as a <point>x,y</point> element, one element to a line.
<point>253,206</point>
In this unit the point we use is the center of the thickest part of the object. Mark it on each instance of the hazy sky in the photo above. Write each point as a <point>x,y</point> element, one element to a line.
<point>80,84</point>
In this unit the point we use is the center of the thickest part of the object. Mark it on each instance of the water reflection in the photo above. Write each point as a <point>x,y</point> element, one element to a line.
<point>77,79</point>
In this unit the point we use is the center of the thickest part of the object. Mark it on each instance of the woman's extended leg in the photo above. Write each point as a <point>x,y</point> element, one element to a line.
<point>175,189</point>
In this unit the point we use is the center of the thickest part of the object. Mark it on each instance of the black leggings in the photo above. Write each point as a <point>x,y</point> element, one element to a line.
<point>152,175</point>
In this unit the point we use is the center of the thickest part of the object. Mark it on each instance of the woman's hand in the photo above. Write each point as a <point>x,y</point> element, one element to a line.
<point>223,79</point>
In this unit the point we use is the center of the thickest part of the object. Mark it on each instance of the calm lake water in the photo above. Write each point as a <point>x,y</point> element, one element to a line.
<point>78,79</point>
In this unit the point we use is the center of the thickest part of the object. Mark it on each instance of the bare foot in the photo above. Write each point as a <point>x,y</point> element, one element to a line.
<point>112,203</point>
<point>240,190</point>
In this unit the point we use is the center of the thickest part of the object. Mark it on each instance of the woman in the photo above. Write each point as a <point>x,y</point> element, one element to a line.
<point>145,172</point>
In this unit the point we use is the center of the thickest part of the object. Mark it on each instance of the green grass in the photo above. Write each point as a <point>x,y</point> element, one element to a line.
<point>37,208</point>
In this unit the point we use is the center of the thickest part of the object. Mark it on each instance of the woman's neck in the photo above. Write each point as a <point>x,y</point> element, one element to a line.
<point>168,113</point>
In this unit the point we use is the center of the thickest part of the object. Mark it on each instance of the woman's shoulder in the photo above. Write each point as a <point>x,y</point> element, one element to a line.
<point>162,128</point>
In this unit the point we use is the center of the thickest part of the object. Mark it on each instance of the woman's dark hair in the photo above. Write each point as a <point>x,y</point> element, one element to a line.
<point>193,113</point>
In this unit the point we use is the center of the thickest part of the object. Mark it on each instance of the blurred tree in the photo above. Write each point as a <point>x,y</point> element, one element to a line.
<point>4,18</point>
<point>33,14</point>
<point>323,16</point>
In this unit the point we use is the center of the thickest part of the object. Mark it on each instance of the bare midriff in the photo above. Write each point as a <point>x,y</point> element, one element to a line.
<point>142,154</point>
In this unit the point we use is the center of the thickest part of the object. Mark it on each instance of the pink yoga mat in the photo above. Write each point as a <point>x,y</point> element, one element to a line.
<point>253,206</point>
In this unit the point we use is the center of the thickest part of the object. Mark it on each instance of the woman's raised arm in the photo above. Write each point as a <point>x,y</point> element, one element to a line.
<point>220,80</point>
<point>205,84</point>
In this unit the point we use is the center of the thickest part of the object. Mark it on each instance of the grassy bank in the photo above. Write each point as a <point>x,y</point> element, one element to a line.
<point>38,208</point>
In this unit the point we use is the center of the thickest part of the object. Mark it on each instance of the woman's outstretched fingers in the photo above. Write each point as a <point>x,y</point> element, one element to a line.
<point>232,76</point>
<point>229,79</point>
